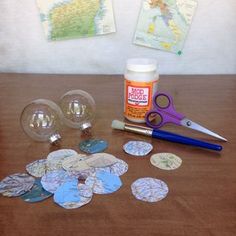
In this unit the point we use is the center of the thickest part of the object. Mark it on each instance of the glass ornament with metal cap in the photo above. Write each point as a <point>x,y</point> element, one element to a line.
<point>78,108</point>
<point>41,120</point>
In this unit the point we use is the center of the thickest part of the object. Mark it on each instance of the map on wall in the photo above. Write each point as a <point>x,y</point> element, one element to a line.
<point>66,19</point>
<point>164,24</point>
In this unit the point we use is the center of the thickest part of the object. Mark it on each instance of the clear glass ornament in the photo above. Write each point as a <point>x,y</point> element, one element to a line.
<point>41,120</point>
<point>78,108</point>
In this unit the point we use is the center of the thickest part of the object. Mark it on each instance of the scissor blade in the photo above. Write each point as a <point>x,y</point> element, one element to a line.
<point>192,125</point>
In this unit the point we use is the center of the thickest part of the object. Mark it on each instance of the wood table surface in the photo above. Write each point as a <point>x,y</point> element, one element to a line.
<point>202,192</point>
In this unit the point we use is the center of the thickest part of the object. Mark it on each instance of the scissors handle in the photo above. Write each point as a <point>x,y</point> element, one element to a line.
<point>163,111</point>
<point>157,119</point>
<point>162,101</point>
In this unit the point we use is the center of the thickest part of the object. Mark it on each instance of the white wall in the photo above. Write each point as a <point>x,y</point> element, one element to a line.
<point>210,47</point>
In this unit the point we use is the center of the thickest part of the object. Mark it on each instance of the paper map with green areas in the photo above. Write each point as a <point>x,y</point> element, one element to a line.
<point>164,24</point>
<point>66,19</point>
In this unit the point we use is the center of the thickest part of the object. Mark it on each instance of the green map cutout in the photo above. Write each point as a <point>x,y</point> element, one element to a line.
<point>65,19</point>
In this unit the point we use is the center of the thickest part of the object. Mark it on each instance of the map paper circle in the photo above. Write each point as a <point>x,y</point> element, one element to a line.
<point>53,179</point>
<point>119,168</point>
<point>93,146</point>
<point>36,193</point>
<point>137,148</point>
<point>16,184</point>
<point>98,160</point>
<point>37,168</point>
<point>166,161</point>
<point>149,189</point>
<point>75,163</point>
<point>103,182</point>
<point>71,195</point>
<point>54,159</point>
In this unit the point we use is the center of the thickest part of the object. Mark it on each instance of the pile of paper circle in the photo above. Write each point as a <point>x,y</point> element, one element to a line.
<point>71,177</point>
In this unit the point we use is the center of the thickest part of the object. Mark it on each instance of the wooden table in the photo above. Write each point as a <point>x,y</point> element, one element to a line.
<point>202,192</point>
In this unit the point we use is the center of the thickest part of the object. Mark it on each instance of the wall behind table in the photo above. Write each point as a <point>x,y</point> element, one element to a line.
<point>210,47</point>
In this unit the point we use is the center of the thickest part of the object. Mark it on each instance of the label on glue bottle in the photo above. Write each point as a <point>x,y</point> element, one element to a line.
<point>138,99</point>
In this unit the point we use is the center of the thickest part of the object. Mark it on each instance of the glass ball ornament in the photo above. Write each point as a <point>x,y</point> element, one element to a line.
<point>41,120</point>
<point>78,108</point>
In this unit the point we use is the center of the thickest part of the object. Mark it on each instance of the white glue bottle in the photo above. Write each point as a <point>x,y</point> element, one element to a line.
<point>141,79</point>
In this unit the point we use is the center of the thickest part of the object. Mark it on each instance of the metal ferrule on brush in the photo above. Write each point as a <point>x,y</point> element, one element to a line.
<point>138,129</point>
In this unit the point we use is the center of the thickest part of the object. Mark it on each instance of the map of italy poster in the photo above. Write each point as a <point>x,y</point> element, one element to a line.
<point>164,24</point>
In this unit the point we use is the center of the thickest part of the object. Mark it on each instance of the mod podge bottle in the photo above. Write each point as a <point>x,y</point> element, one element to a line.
<point>141,80</point>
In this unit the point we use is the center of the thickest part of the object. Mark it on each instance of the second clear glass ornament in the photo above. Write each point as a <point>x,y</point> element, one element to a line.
<point>78,108</point>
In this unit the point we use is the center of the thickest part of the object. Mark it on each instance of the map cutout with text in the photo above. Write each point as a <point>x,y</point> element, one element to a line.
<point>67,19</point>
<point>164,24</point>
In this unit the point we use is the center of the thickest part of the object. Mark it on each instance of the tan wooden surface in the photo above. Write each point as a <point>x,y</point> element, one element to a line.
<point>202,192</point>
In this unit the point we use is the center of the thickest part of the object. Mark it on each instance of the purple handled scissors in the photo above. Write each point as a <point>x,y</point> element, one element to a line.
<point>164,112</point>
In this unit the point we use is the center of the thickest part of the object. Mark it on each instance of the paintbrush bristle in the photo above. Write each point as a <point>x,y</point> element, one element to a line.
<point>116,124</point>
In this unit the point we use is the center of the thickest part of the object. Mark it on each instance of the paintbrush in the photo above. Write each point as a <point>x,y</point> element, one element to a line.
<point>164,135</point>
